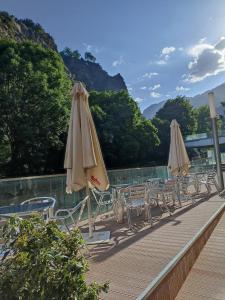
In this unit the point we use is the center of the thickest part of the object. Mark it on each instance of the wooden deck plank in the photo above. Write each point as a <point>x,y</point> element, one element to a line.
<point>132,259</point>
<point>207,277</point>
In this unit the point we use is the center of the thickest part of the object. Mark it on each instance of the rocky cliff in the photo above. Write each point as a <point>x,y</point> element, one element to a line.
<point>93,75</point>
<point>21,30</point>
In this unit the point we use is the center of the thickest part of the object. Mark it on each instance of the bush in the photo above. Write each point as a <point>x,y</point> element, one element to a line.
<point>42,262</point>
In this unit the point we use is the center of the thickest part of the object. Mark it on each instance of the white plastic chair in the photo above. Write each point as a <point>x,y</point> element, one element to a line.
<point>161,194</point>
<point>43,205</point>
<point>103,199</point>
<point>208,180</point>
<point>185,183</point>
<point>70,218</point>
<point>138,200</point>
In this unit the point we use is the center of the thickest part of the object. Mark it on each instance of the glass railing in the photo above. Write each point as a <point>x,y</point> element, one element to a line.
<point>200,136</point>
<point>14,191</point>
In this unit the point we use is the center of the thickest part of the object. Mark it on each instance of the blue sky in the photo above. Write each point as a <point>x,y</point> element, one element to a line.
<point>161,47</point>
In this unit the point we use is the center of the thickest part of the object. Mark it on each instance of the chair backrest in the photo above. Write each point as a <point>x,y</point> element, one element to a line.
<point>95,194</point>
<point>137,192</point>
<point>153,184</point>
<point>46,201</point>
<point>184,183</point>
<point>170,185</point>
<point>71,216</point>
<point>98,196</point>
<point>211,176</point>
<point>44,205</point>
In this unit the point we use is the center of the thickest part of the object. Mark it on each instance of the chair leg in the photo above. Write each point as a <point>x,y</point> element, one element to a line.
<point>129,218</point>
<point>193,200</point>
<point>149,214</point>
<point>96,214</point>
<point>166,206</point>
<point>208,187</point>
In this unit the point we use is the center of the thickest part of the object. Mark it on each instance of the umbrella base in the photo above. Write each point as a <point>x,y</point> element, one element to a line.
<point>98,237</point>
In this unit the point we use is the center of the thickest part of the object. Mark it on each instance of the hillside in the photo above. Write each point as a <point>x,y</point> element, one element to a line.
<point>21,30</point>
<point>90,73</point>
<point>196,101</point>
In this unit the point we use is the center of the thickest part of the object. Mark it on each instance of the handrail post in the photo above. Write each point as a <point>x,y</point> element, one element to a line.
<point>213,116</point>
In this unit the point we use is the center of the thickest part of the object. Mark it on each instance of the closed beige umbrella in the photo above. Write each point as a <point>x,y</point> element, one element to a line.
<point>83,159</point>
<point>178,163</point>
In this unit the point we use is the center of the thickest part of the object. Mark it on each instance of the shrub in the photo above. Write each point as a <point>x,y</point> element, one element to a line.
<point>42,262</point>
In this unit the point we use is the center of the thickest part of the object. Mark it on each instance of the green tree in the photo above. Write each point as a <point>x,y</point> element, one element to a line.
<point>179,109</point>
<point>203,120</point>
<point>44,263</point>
<point>71,53</point>
<point>222,117</point>
<point>89,57</point>
<point>163,127</point>
<point>127,138</point>
<point>34,105</point>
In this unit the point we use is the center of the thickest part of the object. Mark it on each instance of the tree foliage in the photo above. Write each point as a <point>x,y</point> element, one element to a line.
<point>126,137</point>
<point>203,119</point>
<point>42,262</point>
<point>34,105</point>
<point>89,57</point>
<point>179,109</point>
<point>71,53</point>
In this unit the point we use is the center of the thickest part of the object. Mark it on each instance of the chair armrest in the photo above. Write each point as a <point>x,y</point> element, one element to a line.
<point>60,211</point>
<point>40,199</point>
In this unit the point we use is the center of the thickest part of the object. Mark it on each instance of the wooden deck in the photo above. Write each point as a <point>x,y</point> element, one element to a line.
<point>131,260</point>
<point>207,277</point>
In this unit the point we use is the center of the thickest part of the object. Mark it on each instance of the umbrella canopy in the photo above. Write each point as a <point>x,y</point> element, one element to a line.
<point>178,163</point>
<point>83,158</point>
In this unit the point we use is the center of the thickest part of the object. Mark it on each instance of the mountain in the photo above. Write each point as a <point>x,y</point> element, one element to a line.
<point>21,30</point>
<point>196,101</point>
<point>93,75</point>
<point>152,109</point>
<point>202,99</point>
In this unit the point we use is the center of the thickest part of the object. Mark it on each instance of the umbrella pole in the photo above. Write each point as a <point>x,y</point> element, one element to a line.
<point>178,190</point>
<point>89,212</point>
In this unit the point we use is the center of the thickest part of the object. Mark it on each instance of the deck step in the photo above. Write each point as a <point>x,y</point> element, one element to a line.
<point>206,278</point>
<point>168,283</point>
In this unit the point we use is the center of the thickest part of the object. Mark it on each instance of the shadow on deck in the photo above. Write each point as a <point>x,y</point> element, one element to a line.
<point>132,259</point>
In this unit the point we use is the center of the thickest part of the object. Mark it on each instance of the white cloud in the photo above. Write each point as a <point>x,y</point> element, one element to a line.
<point>167,50</point>
<point>168,95</point>
<point>150,75</point>
<point>118,62</point>
<point>161,62</point>
<point>202,40</point>
<point>138,99</point>
<point>155,95</point>
<point>182,89</point>
<point>155,87</point>
<point>91,48</point>
<point>165,55</point>
<point>130,89</point>
<point>207,60</point>
<point>143,87</point>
